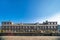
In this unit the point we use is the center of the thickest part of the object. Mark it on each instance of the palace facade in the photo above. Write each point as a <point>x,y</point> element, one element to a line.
<point>45,27</point>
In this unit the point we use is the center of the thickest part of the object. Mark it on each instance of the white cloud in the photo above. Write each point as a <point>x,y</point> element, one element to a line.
<point>55,17</point>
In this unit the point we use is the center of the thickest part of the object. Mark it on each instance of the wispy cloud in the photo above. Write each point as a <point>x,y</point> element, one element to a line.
<point>55,17</point>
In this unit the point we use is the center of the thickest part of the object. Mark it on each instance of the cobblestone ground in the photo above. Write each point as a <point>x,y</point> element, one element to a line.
<point>30,37</point>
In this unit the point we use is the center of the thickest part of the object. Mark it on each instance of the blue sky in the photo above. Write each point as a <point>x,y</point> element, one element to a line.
<point>29,10</point>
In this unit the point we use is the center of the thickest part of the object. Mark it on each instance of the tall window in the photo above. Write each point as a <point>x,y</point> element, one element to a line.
<point>26,27</point>
<point>48,27</point>
<point>55,27</point>
<point>52,27</point>
<point>35,27</point>
<point>38,27</point>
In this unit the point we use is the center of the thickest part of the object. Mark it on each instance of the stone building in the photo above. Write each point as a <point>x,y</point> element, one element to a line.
<point>45,27</point>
